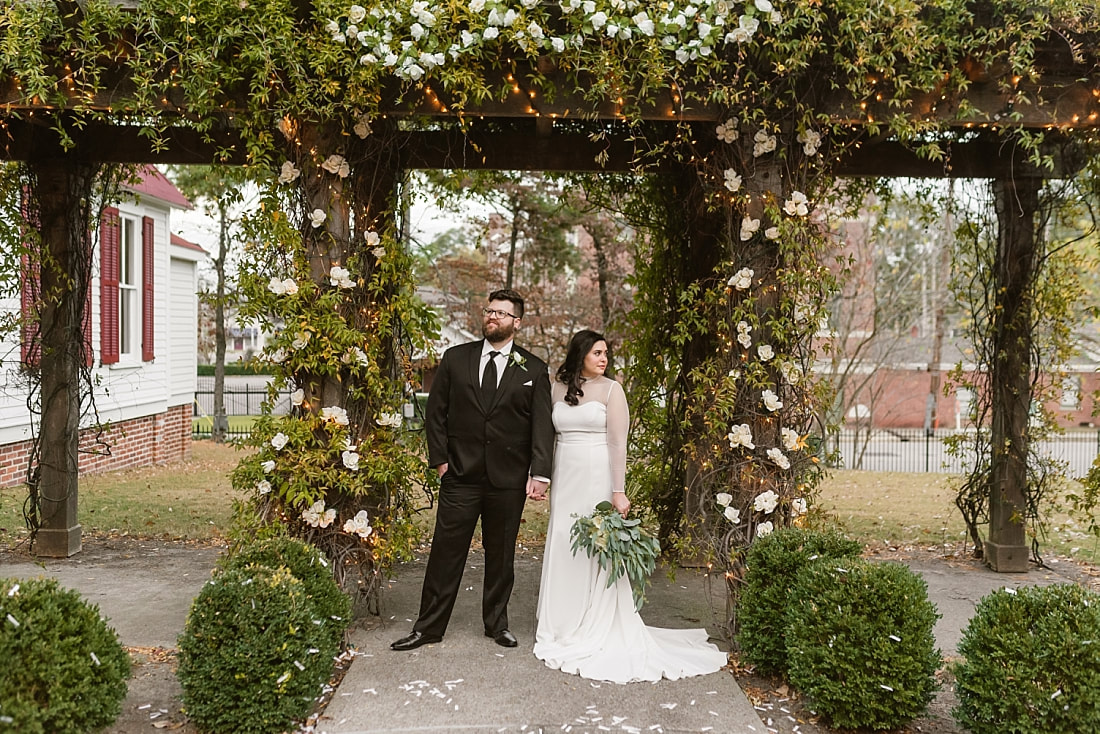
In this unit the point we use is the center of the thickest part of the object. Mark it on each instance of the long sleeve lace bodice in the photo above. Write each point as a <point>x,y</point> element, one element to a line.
<point>610,393</point>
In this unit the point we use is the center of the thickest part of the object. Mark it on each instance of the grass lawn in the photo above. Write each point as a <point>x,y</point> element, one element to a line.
<point>237,423</point>
<point>193,499</point>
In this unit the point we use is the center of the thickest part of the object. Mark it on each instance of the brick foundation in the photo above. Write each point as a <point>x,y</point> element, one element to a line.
<point>153,439</point>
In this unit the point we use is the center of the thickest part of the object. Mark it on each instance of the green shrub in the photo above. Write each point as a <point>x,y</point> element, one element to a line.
<point>1031,663</point>
<point>62,668</point>
<point>860,643</point>
<point>773,563</point>
<point>254,654</point>
<point>306,562</point>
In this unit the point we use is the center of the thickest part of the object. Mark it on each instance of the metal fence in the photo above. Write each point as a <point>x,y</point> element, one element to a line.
<point>917,450</point>
<point>239,400</point>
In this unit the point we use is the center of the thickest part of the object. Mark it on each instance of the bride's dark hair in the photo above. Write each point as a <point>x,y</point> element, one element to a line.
<point>569,374</point>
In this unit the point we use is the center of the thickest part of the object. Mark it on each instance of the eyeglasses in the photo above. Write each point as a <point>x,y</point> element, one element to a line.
<point>492,312</point>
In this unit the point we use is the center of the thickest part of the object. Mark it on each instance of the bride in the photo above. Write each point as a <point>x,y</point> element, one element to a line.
<point>584,627</point>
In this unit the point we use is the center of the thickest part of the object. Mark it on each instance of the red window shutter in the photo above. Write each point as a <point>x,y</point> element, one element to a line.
<point>30,347</point>
<point>109,236</point>
<point>147,304</point>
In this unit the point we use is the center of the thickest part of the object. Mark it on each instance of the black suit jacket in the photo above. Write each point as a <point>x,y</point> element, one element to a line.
<point>504,441</point>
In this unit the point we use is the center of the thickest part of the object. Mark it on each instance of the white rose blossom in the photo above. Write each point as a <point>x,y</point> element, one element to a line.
<point>278,355</point>
<point>268,466</point>
<point>732,514</point>
<point>359,525</point>
<point>765,352</point>
<point>772,233</point>
<point>797,205</point>
<point>798,506</point>
<point>263,487</point>
<point>317,217</point>
<point>742,279</point>
<point>350,459</point>
<point>390,420</point>
<point>336,414</point>
<point>791,372</point>
<point>811,141</point>
<point>764,6</point>
<point>771,401</point>
<point>297,397</point>
<point>762,143</point>
<point>732,179</point>
<point>279,440</point>
<point>766,501</point>
<point>749,227</point>
<point>301,340</point>
<point>764,529</point>
<point>338,165</point>
<point>727,131</point>
<point>340,277</point>
<point>362,127</point>
<point>372,238</point>
<point>743,331</point>
<point>790,438</point>
<point>723,499</point>
<point>290,286</point>
<point>740,435</point>
<point>356,13</point>
<point>779,458</point>
<point>288,173</point>
<point>276,286</point>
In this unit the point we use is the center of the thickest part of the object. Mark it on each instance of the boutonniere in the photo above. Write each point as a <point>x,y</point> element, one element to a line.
<point>517,359</point>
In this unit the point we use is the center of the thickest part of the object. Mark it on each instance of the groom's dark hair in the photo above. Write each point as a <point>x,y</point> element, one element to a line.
<point>507,294</point>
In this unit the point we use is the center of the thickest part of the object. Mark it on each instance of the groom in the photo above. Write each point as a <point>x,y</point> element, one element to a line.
<point>491,439</point>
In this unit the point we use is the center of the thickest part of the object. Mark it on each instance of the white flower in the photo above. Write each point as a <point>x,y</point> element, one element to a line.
<point>749,24</point>
<point>312,515</point>
<point>362,127</point>
<point>317,217</point>
<point>764,529</point>
<point>359,525</point>
<point>765,352</point>
<point>764,6</point>
<point>356,13</point>
<point>789,438</point>
<point>797,205</point>
<point>340,277</point>
<point>798,506</point>
<point>263,487</point>
<point>278,355</point>
<point>682,56</point>
<point>772,233</point>
<point>335,414</point>
<point>771,401</point>
<point>740,435</point>
<point>742,279</point>
<point>558,44</point>
<point>372,238</point>
<point>297,396</point>
<point>476,6</point>
<point>490,33</point>
<point>355,354</point>
<point>732,514</point>
<point>338,165</point>
<point>766,501</point>
<point>290,287</point>
<point>762,143</point>
<point>791,372</point>
<point>301,340</point>
<point>743,337</point>
<point>776,17</point>
<point>268,466</point>
<point>378,252</point>
<point>738,35</point>
<point>350,459</point>
<point>811,141</point>
<point>723,498</point>
<point>733,179</point>
<point>780,459</point>
<point>727,131</point>
<point>276,286</point>
<point>327,518</point>
<point>535,30</point>
<point>390,420</point>
<point>645,25</point>
<point>749,227</point>
<point>288,172</point>
<point>598,20</point>
<point>278,441</point>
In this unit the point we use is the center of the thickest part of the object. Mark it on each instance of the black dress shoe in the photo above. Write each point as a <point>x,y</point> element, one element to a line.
<point>415,640</point>
<point>504,638</point>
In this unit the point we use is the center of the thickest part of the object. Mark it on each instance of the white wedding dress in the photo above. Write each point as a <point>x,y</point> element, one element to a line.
<point>584,627</point>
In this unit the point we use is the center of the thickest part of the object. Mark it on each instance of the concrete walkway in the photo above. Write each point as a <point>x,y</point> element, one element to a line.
<point>467,683</point>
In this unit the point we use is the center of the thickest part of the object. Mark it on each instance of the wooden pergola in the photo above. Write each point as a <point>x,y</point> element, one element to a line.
<point>527,132</point>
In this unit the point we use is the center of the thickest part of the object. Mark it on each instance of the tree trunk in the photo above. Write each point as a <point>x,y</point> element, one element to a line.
<point>65,274</point>
<point>1016,201</point>
<point>513,242</point>
<point>220,430</point>
<point>941,275</point>
<point>602,269</point>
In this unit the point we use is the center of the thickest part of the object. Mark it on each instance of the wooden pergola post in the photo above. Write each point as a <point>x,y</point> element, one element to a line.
<point>1016,200</point>
<point>62,186</point>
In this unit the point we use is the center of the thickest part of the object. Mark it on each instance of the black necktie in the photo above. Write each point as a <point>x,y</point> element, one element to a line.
<point>489,380</point>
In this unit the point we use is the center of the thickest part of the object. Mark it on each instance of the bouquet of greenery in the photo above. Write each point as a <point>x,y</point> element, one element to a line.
<point>618,545</point>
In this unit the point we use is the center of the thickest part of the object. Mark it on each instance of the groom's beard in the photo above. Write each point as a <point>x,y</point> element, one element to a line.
<point>498,332</point>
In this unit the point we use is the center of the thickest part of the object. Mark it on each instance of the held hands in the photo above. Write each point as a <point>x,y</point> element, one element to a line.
<point>536,488</point>
<point>620,503</point>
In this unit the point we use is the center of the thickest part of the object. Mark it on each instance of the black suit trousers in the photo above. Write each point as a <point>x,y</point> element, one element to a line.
<point>460,507</point>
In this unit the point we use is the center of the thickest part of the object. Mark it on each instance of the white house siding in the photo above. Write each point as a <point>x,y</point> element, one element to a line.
<point>182,333</point>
